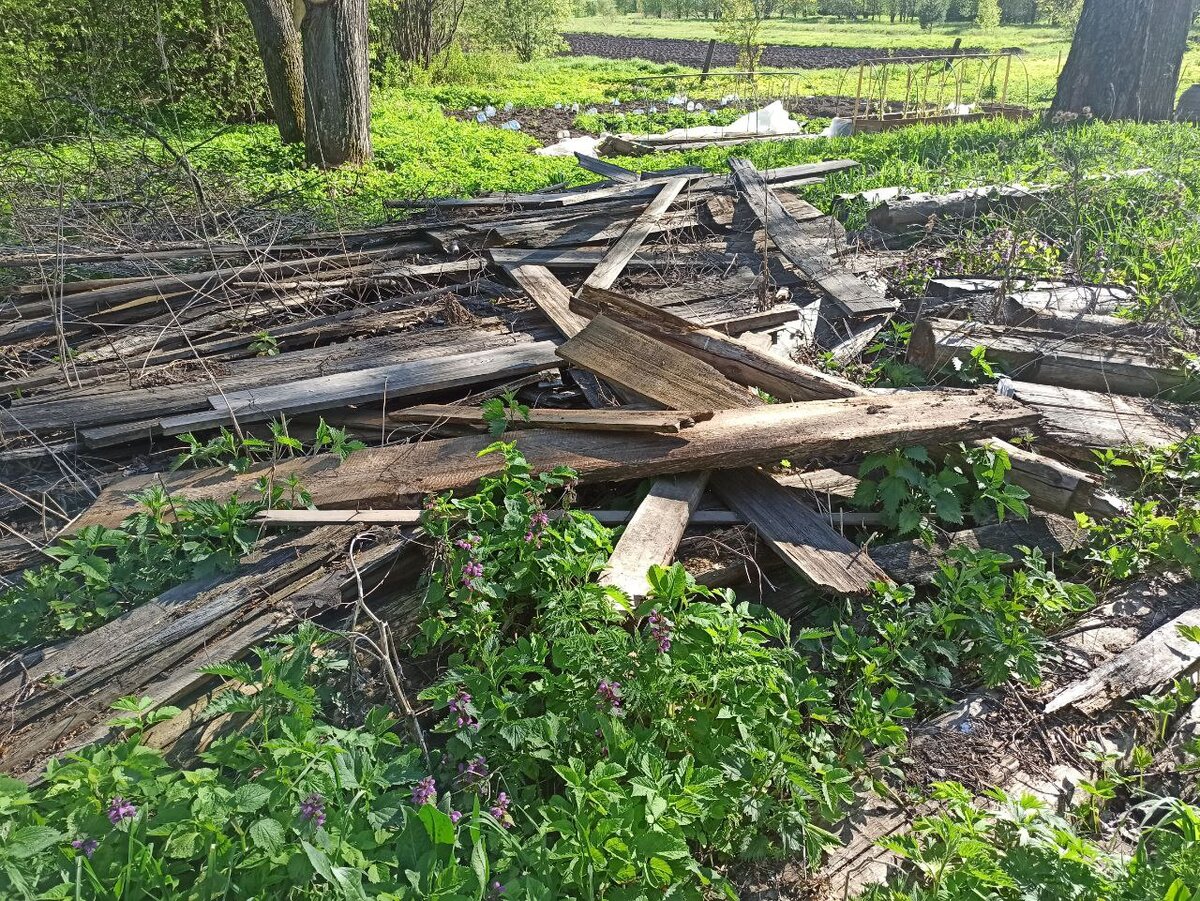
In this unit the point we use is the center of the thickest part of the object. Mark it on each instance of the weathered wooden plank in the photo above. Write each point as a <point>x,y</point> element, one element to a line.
<point>733,358</point>
<point>550,295</point>
<point>406,517</point>
<point>1157,659</point>
<point>396,381</point>
<point>1054,486</point>
<point>614,419</point>
<point>609,269</point>
<point>917,562</point>
<point>800,536</point>
<point>653,533</point>
<point>1092,363</point>
<point>1075,421</point>
<point>570,258</point>
<point>612,171</point>
<point>851,294</point>
<point>385,476</point>
<point>628,358</point>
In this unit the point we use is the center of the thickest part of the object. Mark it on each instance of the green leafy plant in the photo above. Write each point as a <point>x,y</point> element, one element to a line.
<point>913,492</point>
<point>500,412</point>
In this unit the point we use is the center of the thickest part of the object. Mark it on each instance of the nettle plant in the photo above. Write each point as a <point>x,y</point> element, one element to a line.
<point>632,747</point>
<point>291,807</point>
<point>101,572</point>
<point>1017,849</point>
<point>1162,525</point>
<point>915,493</point>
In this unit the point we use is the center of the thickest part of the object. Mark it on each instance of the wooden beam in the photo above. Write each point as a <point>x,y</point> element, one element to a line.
<point>618,256</point>
<point>1076,422</point>
<point>384,476</point>
<point>917,562</point>
<point>407,517</point>
<point>733,358</point>
<point>666,375</point>
<point>653,534</point>
<point>1156,660</point>
<point>1054,486</point>
<point>1093,363</point>
<point>368,386</point>
<point>851,294</point>
<point>609,420</point>
<point>800,536</point>
<point>611,171</point>
<point>570,258</point>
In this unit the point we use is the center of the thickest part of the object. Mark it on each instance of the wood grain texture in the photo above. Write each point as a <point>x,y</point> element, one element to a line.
<point>799,535</point>
<point>852,295</point>
<point>366,386</point>
<point>609,269</point>
<point>671,377</point>
<point>607,420</point>
<point>1093,363</point>
<point>386,476</point>
<point>653,533</point>
<point>1156,660</point>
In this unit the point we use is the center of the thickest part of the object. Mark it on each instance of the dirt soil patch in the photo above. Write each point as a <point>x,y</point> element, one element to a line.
<point>691,53</point>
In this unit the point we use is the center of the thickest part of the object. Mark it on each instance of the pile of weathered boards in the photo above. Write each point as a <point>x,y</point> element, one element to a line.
<point>655,323</point>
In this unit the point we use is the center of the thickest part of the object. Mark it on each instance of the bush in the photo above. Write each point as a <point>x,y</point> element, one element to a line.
<point>932,12</point>
<point>525,28</point>
<point>988,14</point>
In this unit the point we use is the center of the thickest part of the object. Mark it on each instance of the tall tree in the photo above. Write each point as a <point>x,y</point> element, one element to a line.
<point>337,85</point>
<point>283,61</point>
<point>1125,59</point>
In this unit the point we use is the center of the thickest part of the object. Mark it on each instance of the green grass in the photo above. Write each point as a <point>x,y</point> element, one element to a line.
<point>1148,228</point>
<point>820,33</point>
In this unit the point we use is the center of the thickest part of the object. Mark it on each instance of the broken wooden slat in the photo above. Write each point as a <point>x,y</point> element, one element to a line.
<point>1054,486</point>
<point>1092,363</point>
<point>852,295</point>
<point>619,255</point>
<point>1075,421</point>
<point>615,419</point>
<point>634,361</point>
<point>733,358</point>
<point>1157,659</point>
<point>917,562</point>
<point>653,533</point>
<point>571,258</point>
<point>384,382</point>
<point>606,170</point>
<point>800,536</point>
<point>409,517</point>
<point>383,476</point>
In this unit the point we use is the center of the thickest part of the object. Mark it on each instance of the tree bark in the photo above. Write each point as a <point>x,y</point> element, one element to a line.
<point>1125,59</point>
<point>283,61</point>
<point>337,88</point>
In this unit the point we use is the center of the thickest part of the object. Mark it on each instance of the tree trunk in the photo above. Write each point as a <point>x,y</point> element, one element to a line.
<point>1125,59</point>
<point>337,87</point>
<point>283,62</point>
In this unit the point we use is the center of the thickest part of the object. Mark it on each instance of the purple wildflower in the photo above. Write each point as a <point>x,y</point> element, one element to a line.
<point>119,810</point>
<point>459,707</point>
<point>470,572</point>
<point>86,845</point>
<point>660,630</point>
<point>539,520</point>
<point>609,694</point>
<point>473,773</point>
<point>424,792</point>
<point>499,810</point>
<point>497,889</point>
<point>312,809</point>
<point>455,816</point>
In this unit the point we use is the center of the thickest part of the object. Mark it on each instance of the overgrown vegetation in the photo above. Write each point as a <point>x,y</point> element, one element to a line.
<point>583,748</point>
<point>99,572</point>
